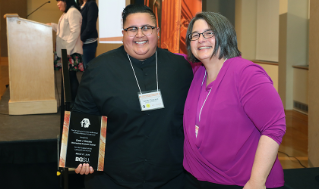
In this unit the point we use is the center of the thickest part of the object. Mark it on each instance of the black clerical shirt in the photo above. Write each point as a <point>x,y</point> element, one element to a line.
<point>144,149</point>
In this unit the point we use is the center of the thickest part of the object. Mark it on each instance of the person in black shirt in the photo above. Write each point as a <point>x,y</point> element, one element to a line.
<point>89,11</point>
<point>142,90</point>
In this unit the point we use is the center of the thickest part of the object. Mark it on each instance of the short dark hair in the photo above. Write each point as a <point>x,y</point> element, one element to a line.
<point>70,3</point>
<point>225,35</point>
<point>137,8</point>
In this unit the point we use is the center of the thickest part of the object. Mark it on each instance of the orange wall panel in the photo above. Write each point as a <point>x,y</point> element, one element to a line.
<point>173,17</point>
<point>189,9</point>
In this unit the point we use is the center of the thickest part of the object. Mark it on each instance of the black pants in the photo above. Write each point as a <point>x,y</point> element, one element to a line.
<point>100,180</point>
<point>192,183</point>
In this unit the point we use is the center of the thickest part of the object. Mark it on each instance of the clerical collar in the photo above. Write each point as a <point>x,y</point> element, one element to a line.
<point>143,63</point>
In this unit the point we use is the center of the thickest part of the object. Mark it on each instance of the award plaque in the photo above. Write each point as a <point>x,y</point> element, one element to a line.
<point>83,140</point>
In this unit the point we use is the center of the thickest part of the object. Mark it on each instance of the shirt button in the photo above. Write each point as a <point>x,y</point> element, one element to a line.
<point>145,160</point>
<point>146,74</point>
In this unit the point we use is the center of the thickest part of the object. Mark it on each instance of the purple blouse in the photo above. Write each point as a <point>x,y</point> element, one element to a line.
<point>242,106</point>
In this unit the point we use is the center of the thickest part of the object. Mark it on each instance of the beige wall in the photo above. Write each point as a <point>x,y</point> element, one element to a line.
<point>10,6</point>
<point>245,26</point>
<point>46,14</point>
<point>272,71</point>
<point>267,30</point>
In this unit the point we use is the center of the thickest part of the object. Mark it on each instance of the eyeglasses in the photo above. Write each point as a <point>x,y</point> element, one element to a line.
<point>146,30</point>
<point>206,34</point>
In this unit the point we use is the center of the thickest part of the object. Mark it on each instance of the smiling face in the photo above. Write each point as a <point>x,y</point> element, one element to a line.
<point>62,5</point>
<point>140,46</point>
<point>202,48</point>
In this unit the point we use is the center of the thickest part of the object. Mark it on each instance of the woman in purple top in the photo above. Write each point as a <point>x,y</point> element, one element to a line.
<point>234,119</point>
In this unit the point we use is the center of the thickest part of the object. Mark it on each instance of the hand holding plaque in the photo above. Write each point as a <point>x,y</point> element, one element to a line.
<point>84,169</point>
<point>83,141</point>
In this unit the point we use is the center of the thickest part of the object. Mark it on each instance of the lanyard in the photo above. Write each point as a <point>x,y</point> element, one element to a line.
<point>200,112</point>
<point>135,74</point>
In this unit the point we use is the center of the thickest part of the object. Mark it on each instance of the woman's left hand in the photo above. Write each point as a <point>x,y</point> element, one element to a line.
<point>254,185</point>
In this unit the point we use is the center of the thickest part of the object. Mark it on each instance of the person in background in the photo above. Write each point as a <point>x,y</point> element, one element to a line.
<point>68,37</point>
<point>89,35</point>
<point>234,119</point>
<point>142,90</point>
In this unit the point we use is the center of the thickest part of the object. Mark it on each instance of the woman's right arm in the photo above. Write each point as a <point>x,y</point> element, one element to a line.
<point>54,26</point>
<point>263,106</point>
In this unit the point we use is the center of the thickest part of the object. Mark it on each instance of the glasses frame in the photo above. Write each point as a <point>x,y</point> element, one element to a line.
<point>153,27</point>
<point>190,35</point>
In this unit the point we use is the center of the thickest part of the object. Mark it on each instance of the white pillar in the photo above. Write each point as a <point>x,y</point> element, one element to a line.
<point>293,45</point>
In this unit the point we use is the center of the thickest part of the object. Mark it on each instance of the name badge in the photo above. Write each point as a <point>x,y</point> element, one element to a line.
<point>151,100</point>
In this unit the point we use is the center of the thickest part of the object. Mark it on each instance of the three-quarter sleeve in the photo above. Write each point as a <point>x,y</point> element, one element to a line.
<point>75,21</point>
<point>261,102</point>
